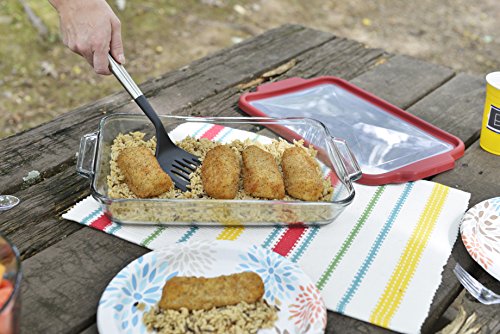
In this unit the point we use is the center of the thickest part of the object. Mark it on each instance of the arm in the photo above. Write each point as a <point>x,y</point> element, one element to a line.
<point>91,29</point>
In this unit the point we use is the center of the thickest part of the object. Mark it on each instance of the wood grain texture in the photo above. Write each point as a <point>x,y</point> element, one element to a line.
<point>35,223</point>
<point>90,330</point>
<point>467,315</point>
<point>477,172</point>
<point>62,285</point>
<point>403,80</point>
<point>456,107</point>
<point>341,324</point>
<point>337,57</point>
<point>449,288</point>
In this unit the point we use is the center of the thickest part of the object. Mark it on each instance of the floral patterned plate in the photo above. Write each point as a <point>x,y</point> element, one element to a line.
<point>301,308</point>
<point>480,231</point>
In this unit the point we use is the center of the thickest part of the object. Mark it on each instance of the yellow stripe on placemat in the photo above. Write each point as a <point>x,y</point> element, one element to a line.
<point>230,233</point>
<point>400,279</point>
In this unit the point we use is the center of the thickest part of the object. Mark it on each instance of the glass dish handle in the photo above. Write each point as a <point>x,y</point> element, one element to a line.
<point>348,160</point>
<point>86,155</point>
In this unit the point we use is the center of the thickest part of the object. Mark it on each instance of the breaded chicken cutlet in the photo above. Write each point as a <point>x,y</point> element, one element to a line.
<point>261,175</point>
<point>302,179</point>
<point>220,172</point>
<point>143,173</point>
<point>199,293</point>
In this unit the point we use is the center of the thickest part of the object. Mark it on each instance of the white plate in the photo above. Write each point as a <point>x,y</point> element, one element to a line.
<point>302,309</point>
<point>480,230</point>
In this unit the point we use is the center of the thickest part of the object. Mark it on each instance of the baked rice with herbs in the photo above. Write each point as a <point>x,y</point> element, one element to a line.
<point>117,188</point>
<point>234,319</point>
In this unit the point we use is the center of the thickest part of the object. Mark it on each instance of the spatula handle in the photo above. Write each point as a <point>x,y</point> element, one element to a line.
<point>125,79</point>
<point>131,87</point>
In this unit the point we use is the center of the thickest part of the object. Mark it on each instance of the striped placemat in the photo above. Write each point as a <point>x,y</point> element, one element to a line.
<point>380,261</point>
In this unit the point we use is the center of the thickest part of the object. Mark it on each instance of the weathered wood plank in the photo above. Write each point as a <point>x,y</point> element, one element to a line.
<point>91,330</point>
<point>456,107</point>
<point>52,145</point>
<point>338,57</point>
<point>477,172</point>
<point>63,298</point>
<point>338,323</point>
<point>35,223</point>
<point>467,315</point>
<point>403,81</point>
<point>79,251</point>
<point>449,287</point>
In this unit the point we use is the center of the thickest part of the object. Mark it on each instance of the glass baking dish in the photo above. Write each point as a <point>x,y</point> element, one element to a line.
<point>333,155</point>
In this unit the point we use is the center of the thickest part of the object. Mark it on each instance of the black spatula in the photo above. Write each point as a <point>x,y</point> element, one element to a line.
<point>173,160</point>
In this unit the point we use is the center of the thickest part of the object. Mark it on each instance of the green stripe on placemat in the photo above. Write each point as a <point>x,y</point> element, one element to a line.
<point>153,236</point>
<point>325,277</point>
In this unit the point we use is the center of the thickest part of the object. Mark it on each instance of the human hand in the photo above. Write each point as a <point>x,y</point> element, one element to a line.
<point>91,29</point>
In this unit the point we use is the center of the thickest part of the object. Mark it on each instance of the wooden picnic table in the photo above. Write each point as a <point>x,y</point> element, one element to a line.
<point>67,266</point>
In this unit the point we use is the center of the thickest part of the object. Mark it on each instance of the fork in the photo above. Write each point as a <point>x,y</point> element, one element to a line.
<point>176,162</point>
<point>476,289</point>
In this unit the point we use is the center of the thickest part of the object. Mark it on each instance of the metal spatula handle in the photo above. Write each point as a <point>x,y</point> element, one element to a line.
<point>125,79</point>
<point>131,87</point>
<point>175,161</point>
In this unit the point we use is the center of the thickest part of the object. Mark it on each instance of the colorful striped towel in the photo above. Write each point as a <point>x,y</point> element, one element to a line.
<point>380,261</point>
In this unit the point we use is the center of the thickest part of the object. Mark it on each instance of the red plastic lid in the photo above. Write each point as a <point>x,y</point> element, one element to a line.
<point>390,144</point>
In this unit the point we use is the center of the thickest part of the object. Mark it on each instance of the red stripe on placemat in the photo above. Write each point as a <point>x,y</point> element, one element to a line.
<point>101,223</point>
<point>212,132</point>
<point>288,240</point>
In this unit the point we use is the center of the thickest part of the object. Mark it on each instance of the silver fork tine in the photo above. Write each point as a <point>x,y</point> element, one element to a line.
<point>475,288</point>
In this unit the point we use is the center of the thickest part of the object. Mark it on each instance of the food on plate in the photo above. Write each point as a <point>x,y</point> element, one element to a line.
<point>143,173</point>
<point>223,304</point>
<point>220,172</point>
<point>240,318</point>
<point>302,177</point>
<point>261,175</point>
<point>199,293</point>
